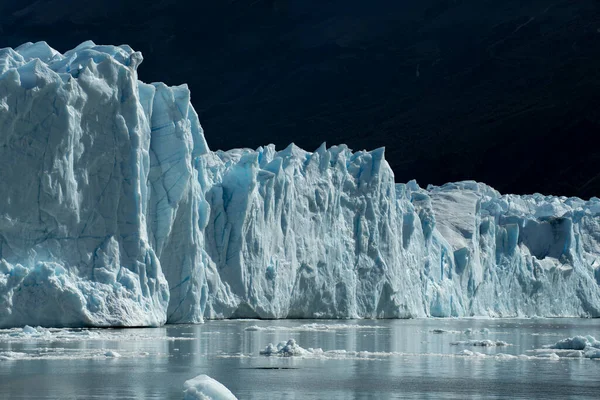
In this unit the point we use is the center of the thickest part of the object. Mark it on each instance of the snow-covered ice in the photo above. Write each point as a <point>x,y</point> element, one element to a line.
<point>114,212</point>
<point>203,387</point>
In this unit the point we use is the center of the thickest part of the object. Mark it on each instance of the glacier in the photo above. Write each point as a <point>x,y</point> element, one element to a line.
<point>115,212</point>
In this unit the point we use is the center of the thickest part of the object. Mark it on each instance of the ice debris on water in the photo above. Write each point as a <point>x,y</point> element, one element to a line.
<point>58,353</point>
<point>480,343</point>
<point>468,331</point>
<point>40,334</point>
<point>291,348</point>
<point>572,347</point>
<point>471,331</point>
<point>314,327</point>
<point>470,353</point>
<point>115,212</point>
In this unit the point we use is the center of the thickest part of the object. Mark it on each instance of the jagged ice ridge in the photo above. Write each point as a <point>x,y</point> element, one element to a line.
<point>114,212</point>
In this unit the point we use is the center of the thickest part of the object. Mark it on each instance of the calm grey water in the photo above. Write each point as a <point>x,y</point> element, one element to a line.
<point>406,360</point>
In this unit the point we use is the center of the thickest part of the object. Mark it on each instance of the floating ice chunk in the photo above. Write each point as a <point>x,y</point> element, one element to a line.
<point>12,355</point>
<point>577,346</point>
<point>550,356</point>
<point>29,330</point>
<point>203,387</point>
<point>270,350</point>
<point>470,353</point>
<point>470,331</point>
<point>441,331</point>
<point>112,354</point>
<point>592,353</point>
<point>504,357</point>
<point>574,343</point>
<point>285,349</point>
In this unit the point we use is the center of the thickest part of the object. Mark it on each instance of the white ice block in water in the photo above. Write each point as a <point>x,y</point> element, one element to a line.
<point>203,387</point>
<point>114,212</point>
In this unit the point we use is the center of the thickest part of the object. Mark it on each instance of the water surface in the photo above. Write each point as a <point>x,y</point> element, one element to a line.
<point>377,359</point>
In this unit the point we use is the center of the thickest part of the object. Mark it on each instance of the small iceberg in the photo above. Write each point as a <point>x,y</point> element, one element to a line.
<point>285,349</point>
<point>573,347</point>
<point>203,387</point>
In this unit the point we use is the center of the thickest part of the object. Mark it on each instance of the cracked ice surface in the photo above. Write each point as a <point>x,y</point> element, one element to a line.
<point>114,212</point>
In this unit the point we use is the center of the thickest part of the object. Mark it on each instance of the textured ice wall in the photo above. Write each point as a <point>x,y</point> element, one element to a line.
<point>329,234</point>
<point>113,211</point>
<point>96,177</point>
<point>512,255</point>
<point>298,234</point>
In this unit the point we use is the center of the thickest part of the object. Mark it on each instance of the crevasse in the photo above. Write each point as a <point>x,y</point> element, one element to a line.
<point>114,212</point>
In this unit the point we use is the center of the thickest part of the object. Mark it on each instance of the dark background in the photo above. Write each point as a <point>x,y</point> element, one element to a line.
<point>501,91</point>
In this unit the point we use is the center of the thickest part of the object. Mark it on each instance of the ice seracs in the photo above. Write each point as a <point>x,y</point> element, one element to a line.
<point>114,212</point>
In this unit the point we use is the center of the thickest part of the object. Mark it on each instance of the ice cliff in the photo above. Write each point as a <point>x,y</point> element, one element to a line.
<point>99,199</point>
<point>113,211</point>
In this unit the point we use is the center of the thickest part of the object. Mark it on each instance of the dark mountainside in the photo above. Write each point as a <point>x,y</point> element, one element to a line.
<point>504,92</point>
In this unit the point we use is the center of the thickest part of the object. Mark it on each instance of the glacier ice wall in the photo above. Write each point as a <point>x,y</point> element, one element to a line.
<point>329,234</point>
<point>113,211</point>
<point>96,180</point>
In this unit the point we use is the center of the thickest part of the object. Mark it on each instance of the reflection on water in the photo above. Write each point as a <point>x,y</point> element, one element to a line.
<point>383,359</point>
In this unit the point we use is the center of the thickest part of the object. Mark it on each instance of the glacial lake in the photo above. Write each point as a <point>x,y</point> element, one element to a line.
<point>359,359</point>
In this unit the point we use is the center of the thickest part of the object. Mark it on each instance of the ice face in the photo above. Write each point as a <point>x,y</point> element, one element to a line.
<point>113,211</point>
<point>329,234</point>
<point>96,178</point>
